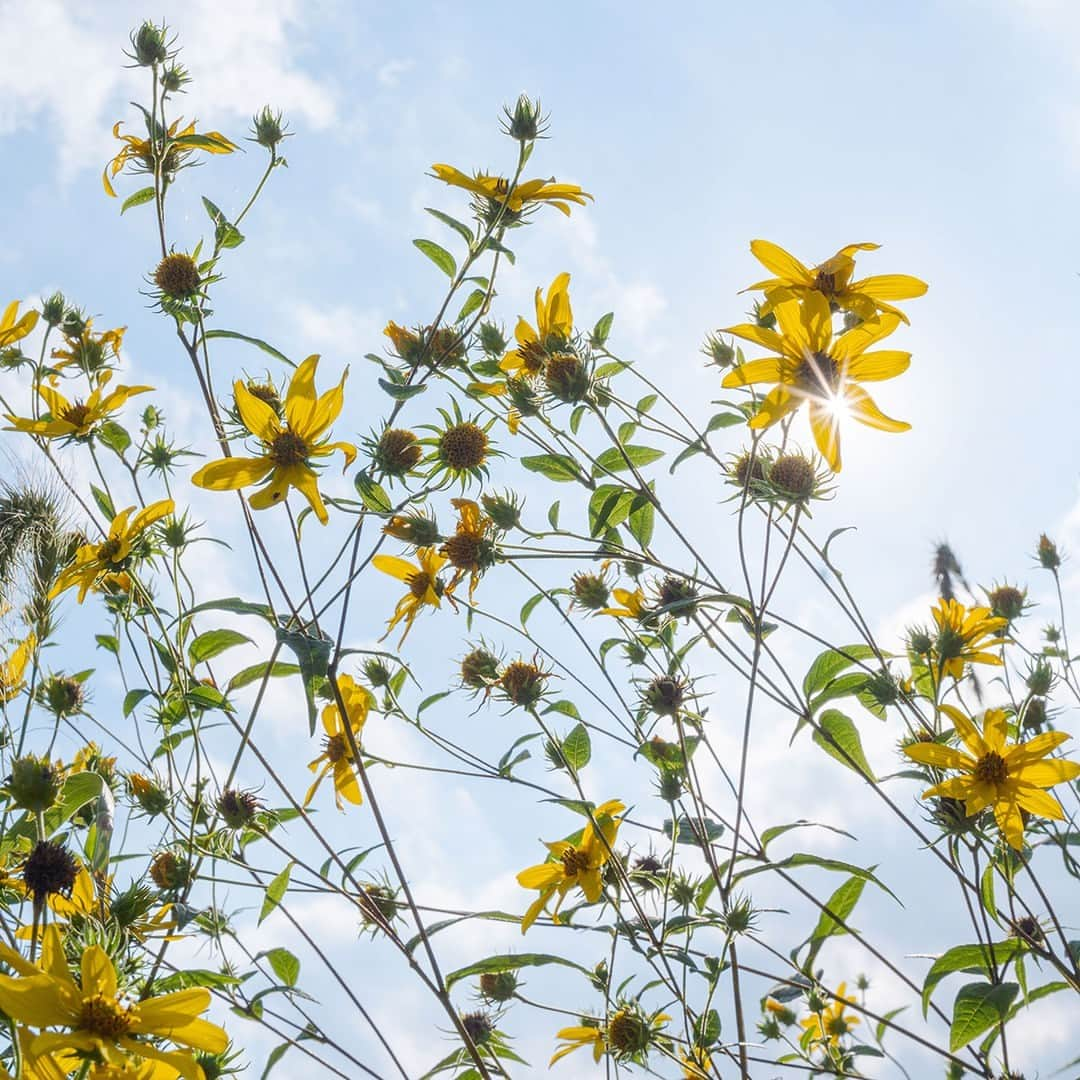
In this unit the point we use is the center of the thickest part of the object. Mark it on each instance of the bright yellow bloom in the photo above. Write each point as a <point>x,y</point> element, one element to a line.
<point>14,329</point>
<point>964,635</point>
<point>554,325</point>
<point>577,1036</point>
<point>1007,778</point>
<point>99,1019</point>
<point>13,669</point>
<point>497,188</point>
<point>96,563</point>
<point>573,865</point>
<point>425,588</point>
<point>470,550</point>
<point>76,419</point>
<point>287,448</point>
<point>181,143</point>
<point>831,1024</point>
<point>337,757</point>
<point>810,366</point>
<point>832,280</point>
<point>89,351</point>
<point>631,604</point>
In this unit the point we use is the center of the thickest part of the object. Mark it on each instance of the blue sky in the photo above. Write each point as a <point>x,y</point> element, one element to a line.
<point>948,132</point>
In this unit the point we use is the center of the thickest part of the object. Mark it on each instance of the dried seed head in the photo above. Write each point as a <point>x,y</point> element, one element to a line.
<point>397,452</point>
<point>794,476</point>
<point>237,808</point>
<point>523,683</point>
<point>463,446</point>
<point>49,870</point>
<point>177,276</point>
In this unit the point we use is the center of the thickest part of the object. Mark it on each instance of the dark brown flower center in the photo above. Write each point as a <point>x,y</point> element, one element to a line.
<point>826,283</point>
<point>819,375</point>
<point>463,551</point>
<point>991,769</point>
<point>532,358</point>
<point>337,749</point>
<point>104,1017</point>
<point>464,446</point>
<point>419,583</point>
<point>288,449</point>
<point>108,551</point>
<point>76,414</point>
<point>575,861</point>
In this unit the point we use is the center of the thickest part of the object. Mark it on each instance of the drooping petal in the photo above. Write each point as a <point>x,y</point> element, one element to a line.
<point>256,414</point>
<point>825,426</point>
<point>1010,822</point>
<point>862,408</point>
<point>228,474</point>
<point>780,262</point>
<point>957,787</point>
<point>774,407</point>
<point>307,483</point>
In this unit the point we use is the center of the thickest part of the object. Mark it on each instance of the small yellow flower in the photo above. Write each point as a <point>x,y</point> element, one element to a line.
<point>832,280</point>
<point>76,419</point>
<point>831,1023</point>
<point>470,550</point>
<point>288,449</point>
<point>13,669</point>
<point>1006,778</point>
<point>337,757</point>
<point>98,1020</point>
<point>554,325</point>
<point>98,564</point>
<point>497,188</point>
<point>964,634</point>
<point>810,366</point>
<point>181,144</point>
<point>425,588</point>
<point>12,328</point>
<point>631,604</point>
<point>573,864</point>
<point>578,1036</point>
<point>90,352</point>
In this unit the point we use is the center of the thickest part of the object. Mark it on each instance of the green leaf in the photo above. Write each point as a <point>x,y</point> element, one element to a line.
<point>274,1057</point>
<point>725,420</point>
<point>105,504</point>
<point>214,643</point>
<point>553,514</point>
<point>839,738</point>
<point>216,216</point>
<point>566,708</point>
<point>313,655</point>
<point>690,830</point>
<point>612,367</point>
<point>461,229</point>
<point>529,605</point>
<point>618,458</point>
<point>577,748</point>
<point>707,1029</point>
<point>257,342</point>
<point>641,520</point>
<point>602,329</point>
<point>235,605</point>
<point>284,964</point>
<point>402,391</point>
<point>115,436</point>
<point>830,663</point>
<point>275,891</point>
<point>972,959</point>
<point>609,506</point>
<point>132,698</point>
<point>978,1006</point>
<point>438,255</point>
<point>472,303</point>
<point>495,965</point>
<point>107,641</point>
<point>143,195</point>
<point>558,467</point>
<point>430,700</point>
<point>262,670</point>
<point>372,494</point>
<point>228,236</point>
<point>840,905</point>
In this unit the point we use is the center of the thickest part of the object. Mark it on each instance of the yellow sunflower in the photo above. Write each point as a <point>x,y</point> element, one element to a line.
<point>963,636</point>
<point>573,865</point>
<point>13,669</point>
<point>97,1018</point>
<point>498,188</point>
<point>425,588</point>
<point>337,755</point>
<point>76,419</point>
<point>12,328</point>
<point>811,366</point>
<point>470,550</point>
<point>93,562</point>
<point>181,143</point>
<point>1007,778</point>
<point>89,351</point>
<point>831,1023</point>
<point>554,325</point>
<point>832,280</point>
<point>288,448</point>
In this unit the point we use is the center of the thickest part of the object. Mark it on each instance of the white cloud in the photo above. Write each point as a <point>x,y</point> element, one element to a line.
<point>389,75</point>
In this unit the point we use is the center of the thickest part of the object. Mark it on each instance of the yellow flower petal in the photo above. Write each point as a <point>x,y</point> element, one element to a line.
<point>228,474</point>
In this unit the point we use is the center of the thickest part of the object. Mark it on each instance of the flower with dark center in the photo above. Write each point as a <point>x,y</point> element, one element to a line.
<point>1007,602</point>
<point>425,589</point>
<point>829,1023</point>
<point>267,392</point>
<point>964,636</point>
<point>497,189</point>
<point>677,595</point>
<point>237,808</point>
<point>479,1026</point>
<point>794,477</point>
<point>747,468</point>
<point>479,669</point>
<point>76,419</point>
<point>665,695</point>
<point>177,276</point>
<point>470,551</point>
<point>1027,928</point>
<point>463,447</point>
<point>523,683</point>
<point>170,871</point>
<point>49,870</point>
<point>397,452</point>
<point>337,756</point>
<point>566,378</point>
<point>287,450</point>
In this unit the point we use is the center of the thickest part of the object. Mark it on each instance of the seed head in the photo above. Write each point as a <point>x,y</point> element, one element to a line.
<point>665,695</point>
<point>63,695</point>
<point>177,276</point>
<point>170,871</point>
<point>1047,553</point>
<point>1007,602</point>
<point>34,783</point>
<point>793,476</point>
<point>463,446</point>
<point>498,986</point>
<point>591,590</point>
<point>49,870</point>
<point>237,808</point>
<point>267,128</point>
<point>523,683</point>
<point>479,1025</point>
<point>397,452</point>
<point>479,669</point>
<point>566,378</point>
